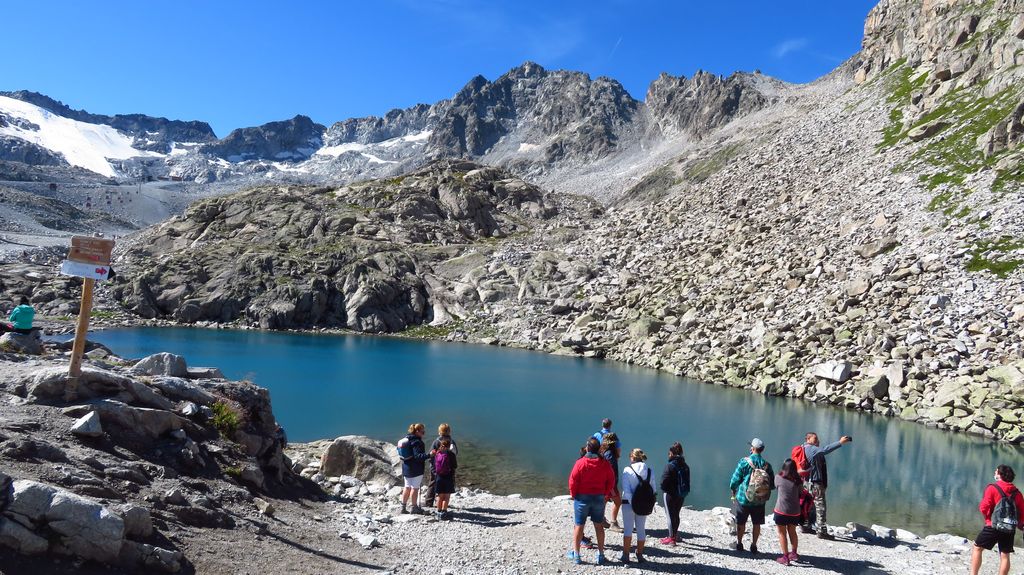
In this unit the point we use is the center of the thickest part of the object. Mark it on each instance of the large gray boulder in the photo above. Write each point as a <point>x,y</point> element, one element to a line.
<point>15,536</point>
<point>162,364</point>
<point>21,343</point>
<point>52,382</point>
<point>363,458</point>
<point>139,422</point>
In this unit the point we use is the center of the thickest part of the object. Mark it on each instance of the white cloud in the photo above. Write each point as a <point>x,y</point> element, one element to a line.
<point>783,49</point>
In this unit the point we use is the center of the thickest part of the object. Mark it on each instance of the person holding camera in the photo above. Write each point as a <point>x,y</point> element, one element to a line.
<point>819,475</point>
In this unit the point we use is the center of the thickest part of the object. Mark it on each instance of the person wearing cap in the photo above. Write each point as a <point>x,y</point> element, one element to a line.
<point>819,475</point>
<point>742,507</point>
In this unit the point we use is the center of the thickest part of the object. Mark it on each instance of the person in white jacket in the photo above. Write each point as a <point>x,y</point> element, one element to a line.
<point>631,476</point>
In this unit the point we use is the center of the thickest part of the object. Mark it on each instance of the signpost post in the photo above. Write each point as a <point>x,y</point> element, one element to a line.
<point>89,258</point>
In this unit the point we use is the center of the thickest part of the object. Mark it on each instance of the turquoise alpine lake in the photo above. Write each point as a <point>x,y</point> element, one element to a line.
<point>521,417</point>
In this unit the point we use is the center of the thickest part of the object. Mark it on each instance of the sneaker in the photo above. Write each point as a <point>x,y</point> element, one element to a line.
<point>640,558</point>
<point>668,541</point>
<point>624,558</point>
<point>807,529</point>
<point>753,549</point>
<point>793,557</point>
<point>783,559</point>
<point>574,556</point>
<point>826,536</point>
<point>417,510</point>
<point>607,525</point>
<point>600,559</point>
<point>404,511</point>
<point>736,546</point>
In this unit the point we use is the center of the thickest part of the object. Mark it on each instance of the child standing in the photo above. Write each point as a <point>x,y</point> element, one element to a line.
<point>445,464</point>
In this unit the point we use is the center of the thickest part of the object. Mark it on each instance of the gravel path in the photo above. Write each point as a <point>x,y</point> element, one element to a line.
<point>496,534</point>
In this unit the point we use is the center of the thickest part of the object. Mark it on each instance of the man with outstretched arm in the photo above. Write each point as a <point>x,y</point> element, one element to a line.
<point>819,475</point>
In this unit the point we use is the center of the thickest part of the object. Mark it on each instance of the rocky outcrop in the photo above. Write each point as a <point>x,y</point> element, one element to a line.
<point>365,253</point>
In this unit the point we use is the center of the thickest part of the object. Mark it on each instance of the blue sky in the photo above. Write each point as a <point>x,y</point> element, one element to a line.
<point>234,63</point>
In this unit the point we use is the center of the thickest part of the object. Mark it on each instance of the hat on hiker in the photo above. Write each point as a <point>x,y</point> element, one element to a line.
<point>757,443</point>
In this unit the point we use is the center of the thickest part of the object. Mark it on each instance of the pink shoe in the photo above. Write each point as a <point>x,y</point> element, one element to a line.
<point>793,557</point>
<point>668,541</point>
<point>783,559</point>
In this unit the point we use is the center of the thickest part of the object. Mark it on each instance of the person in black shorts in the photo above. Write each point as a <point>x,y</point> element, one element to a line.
<point>990,536</point>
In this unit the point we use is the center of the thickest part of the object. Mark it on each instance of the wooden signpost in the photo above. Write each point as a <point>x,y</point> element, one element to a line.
<point>89,258</point>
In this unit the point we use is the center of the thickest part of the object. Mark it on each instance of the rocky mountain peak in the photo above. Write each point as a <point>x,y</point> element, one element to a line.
<point>704,102</point>
<point>294,139</point>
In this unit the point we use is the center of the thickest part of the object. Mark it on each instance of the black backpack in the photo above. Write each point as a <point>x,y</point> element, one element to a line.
<point>1004,516</point>
<point>643,495</point>
<point>682,478</point>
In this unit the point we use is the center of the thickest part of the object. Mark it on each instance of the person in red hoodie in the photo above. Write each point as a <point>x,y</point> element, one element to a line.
<point>590,484</point>
<point>990,536</point>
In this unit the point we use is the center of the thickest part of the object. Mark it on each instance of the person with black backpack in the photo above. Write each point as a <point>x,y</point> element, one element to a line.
<point>675,486</point>
<point>751,484</point>
<point>638,502</point>
<point>1002,506</point>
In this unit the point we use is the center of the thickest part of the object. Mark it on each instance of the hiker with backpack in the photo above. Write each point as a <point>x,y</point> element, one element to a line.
<point>590,483</point>
<point>445,463</point>
<point>787,510</point>
<point>610,450</point>
<point>638,500</point>
<point>412,452</point>
<point>1002,506</point>
<point>444,431</point>
<point>675,486</point>
<point>752,484</point>
<point>813,456</point>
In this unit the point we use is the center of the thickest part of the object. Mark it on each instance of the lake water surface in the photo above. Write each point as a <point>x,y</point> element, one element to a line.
<point>521,417</point>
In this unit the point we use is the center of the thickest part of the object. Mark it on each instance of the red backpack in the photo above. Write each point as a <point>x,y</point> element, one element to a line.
<point>803,467</point>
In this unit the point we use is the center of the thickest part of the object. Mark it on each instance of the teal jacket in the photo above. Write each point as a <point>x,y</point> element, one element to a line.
<point>741,477</point>
<point>22,316</point>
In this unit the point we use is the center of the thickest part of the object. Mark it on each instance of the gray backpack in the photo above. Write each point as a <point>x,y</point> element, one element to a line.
<point>1004,516</point>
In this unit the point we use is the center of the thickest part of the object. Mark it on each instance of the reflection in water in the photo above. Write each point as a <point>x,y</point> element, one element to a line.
<point>522,417</point>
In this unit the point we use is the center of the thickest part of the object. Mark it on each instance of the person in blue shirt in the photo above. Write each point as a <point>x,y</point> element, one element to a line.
<point>21,318</point>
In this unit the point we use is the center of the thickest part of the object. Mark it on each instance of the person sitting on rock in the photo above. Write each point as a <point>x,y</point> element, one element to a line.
<point>414,456</point>
<point>445,464</point>
<point>21,318</point>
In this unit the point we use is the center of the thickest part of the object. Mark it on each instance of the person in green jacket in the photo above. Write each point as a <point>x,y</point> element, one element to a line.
<point>743,507</point>
<point>21,318</point>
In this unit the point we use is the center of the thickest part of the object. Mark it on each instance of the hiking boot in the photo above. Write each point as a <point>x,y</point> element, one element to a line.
<point>624,558</point>
<point>807,529</point>
<point>793,557</point>
<point>783,559</point>
<point>668,541</point>
<point>753,549</point>
<point>600,559</point>
<point>826,536</point>
<point>736,546</point>
<point>417,510</point>
<point>574,557</point>
<point>404,511</point>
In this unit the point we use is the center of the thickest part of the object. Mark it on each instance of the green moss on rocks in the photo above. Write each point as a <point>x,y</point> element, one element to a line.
<point>986,255</point>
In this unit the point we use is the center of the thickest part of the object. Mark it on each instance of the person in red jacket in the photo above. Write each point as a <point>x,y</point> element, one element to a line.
<point>989,536</point>
<point>590,485</point>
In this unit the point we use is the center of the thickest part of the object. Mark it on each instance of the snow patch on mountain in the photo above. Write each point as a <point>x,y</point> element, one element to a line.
<point>82,144</point>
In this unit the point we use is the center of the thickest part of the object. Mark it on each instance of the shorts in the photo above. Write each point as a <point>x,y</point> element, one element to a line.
<point>585,506</point>
<point>414,482</point>
<point>989,537</point>
<point>742,512</point>
<point>781,519</point>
